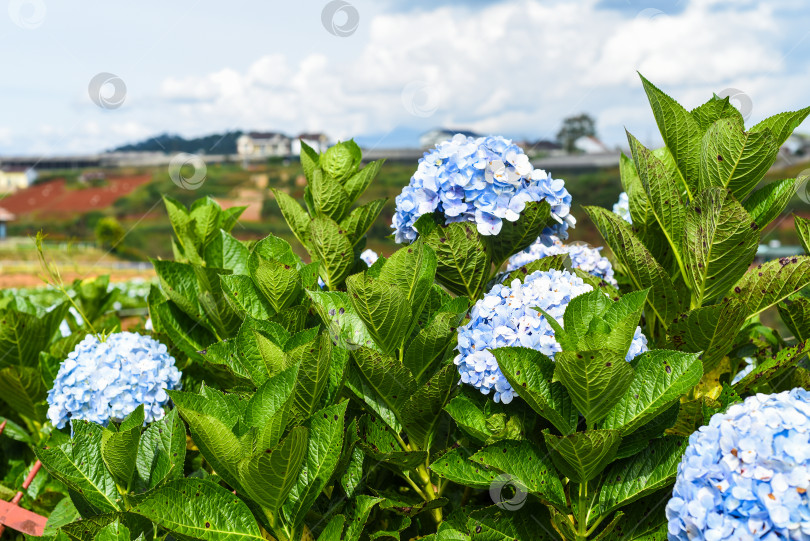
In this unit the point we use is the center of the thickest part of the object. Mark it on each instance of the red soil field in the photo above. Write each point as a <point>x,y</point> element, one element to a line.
<point>55,198</point>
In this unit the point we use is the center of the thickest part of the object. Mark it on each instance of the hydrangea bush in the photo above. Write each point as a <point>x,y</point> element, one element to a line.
<point>338,412</point>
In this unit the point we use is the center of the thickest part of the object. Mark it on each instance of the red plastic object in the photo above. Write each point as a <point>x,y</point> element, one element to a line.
<point>16,517</point>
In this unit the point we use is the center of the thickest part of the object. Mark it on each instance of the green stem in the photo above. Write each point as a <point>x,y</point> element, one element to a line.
<point>414,486</point>
<point>582,507</point>
<point>430,493</point>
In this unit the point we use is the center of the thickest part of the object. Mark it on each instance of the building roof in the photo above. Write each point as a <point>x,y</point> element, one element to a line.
<point>266,135</point>
<point>6,216</point>
<point>445,131</point>
<point>312,136</point>
<point>14,169</point>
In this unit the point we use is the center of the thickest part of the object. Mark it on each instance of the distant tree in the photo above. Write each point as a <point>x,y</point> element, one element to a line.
<point>575,127</point>
<point>109,232</point>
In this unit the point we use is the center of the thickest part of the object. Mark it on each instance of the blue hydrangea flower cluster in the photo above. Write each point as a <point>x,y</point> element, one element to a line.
<point>508,316</point>
<point>583,257</point>
<point>103,381</point>
<point>622,207</point>
<point>747,474</point>
<point>484,181</point>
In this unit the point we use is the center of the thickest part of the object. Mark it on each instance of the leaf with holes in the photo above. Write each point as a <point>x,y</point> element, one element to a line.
<point>710,330</point>
<point>769,283</point>
<point>457,466</point>
<point>719,243</point>
<point>200,509</point>
<point>643,270</point>
<point>526,463</point>
<point>661,378</point>
<point>595,380</point>
<point>663,193</point>
<point>772,368</point>
<point>734,159</point>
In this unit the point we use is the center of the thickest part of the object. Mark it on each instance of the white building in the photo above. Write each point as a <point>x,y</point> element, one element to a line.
<point>318,141</point>
<point>13,179</point>
<point>591,145</point>
<point>798,144</point>
<point>435,136</point>
<point>264,145</point>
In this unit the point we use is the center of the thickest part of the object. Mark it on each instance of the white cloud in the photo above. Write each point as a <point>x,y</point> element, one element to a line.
<point>514,67</point>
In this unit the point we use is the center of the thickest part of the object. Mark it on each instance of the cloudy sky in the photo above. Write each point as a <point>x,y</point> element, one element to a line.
<point>382,70</point>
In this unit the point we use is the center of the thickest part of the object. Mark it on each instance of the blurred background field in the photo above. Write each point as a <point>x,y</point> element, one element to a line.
<point>114,223</point>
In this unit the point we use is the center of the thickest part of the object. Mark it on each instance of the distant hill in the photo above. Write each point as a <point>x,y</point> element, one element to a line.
<point>218,143</point>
